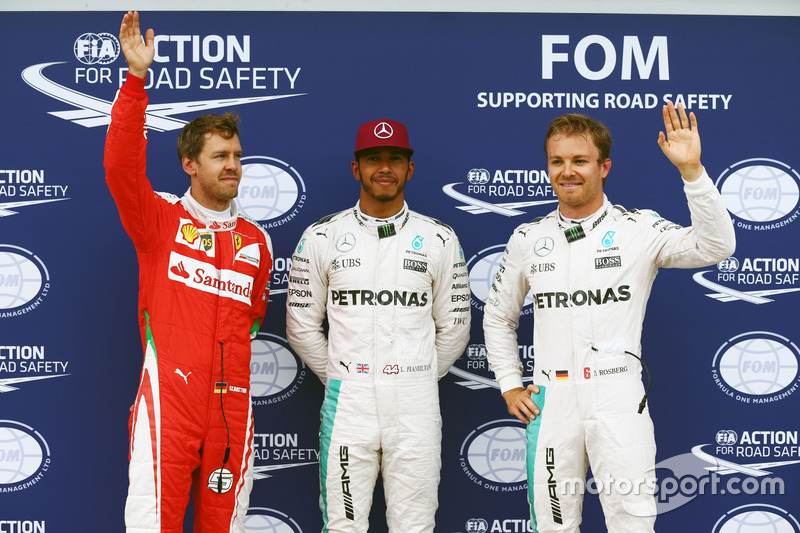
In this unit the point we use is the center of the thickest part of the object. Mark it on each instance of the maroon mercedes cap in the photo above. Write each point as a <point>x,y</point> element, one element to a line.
<point>382,132</point>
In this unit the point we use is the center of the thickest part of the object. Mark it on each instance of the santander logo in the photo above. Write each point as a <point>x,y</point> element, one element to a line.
<point>204,277</point>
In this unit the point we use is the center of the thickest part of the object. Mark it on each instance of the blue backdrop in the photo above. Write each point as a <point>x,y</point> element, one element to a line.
<point>476,92</point>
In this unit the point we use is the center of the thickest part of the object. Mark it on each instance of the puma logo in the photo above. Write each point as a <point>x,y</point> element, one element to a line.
<point>547,374</point>
<point>184,376</point>
<point>346,366</point>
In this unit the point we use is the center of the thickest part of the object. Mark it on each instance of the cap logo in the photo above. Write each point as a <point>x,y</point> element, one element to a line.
<point>383,130</point>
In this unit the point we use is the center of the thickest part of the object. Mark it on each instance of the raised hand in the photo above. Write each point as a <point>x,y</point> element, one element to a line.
<point>681,144</point>
<point>138,54</point>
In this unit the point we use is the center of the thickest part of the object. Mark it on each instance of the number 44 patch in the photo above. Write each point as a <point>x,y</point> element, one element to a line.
<point>391,369</point>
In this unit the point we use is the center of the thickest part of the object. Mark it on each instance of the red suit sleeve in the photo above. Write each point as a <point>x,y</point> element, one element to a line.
<point>125,162</point>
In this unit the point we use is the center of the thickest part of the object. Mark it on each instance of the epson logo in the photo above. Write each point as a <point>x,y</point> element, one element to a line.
<point>556,49</point>
<point>385,297</point>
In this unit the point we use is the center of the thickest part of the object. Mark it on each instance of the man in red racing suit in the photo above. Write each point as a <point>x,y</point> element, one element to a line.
<point>203,285</point>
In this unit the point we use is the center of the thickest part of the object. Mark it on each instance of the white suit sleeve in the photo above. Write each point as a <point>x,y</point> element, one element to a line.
<point>709,240</point>
<point>451,306</point>
<point>501,317</point>
<point>306,302</point>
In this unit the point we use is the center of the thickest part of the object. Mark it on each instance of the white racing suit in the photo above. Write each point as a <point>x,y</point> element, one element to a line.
<point>590,286</point>
<point>397,298</point>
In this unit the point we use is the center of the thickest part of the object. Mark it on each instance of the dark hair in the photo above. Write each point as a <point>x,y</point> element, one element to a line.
<point>193,135</point>
<point>576,124</point>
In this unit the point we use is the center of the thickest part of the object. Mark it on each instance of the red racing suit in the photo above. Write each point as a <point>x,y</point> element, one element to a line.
<point>203,290</point>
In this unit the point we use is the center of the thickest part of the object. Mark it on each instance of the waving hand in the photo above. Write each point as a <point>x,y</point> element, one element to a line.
<point>138,54</point>
<point>681,144</point>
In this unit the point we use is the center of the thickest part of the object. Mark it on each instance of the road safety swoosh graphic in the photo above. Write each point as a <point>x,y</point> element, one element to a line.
<point>479,207</point>
<point>5,384</point>
<point>475,382</point>
<point>724,467</point>
<point>260,472</point>
<point>726,294</point>
<point>6,207</point>
<point>95,111</point>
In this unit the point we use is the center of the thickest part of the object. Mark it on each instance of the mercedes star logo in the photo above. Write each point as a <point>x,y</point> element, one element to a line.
<point>544,246</point>
<point>346,242</point>
<point>383,131</point>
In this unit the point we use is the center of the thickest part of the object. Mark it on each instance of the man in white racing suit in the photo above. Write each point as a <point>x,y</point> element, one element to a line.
<point>590,266</point>
<point>394,286</point>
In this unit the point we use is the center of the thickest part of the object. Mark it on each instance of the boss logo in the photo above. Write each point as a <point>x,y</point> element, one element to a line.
<point>416,266</point>
<point>613,261</point>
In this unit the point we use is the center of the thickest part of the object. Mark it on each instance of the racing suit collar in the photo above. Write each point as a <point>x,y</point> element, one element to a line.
<point>577,230</point>
<point>213,221</point>
<point>371,223</point>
